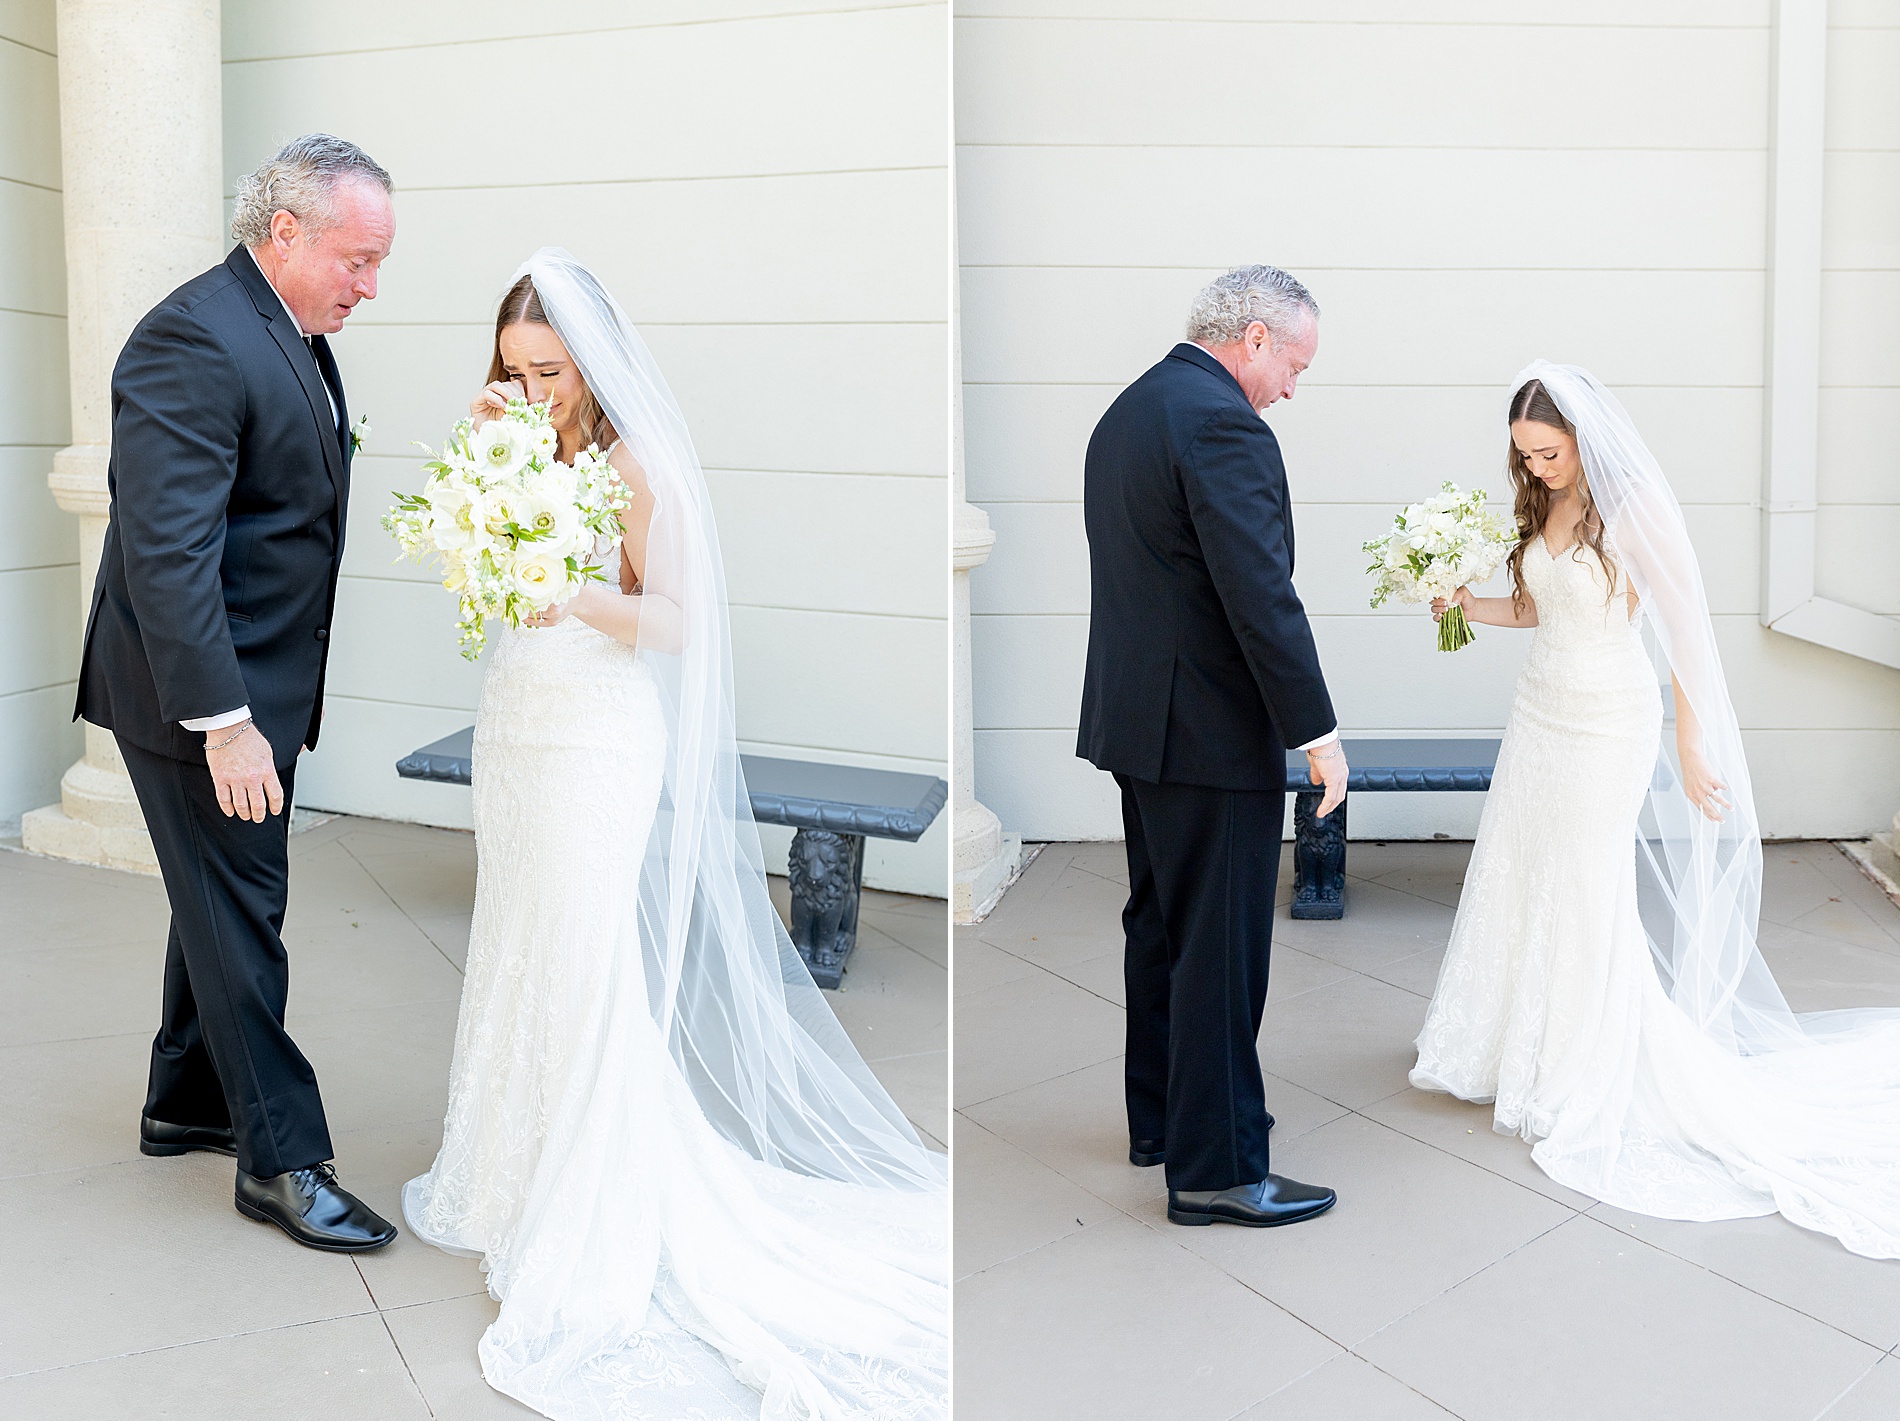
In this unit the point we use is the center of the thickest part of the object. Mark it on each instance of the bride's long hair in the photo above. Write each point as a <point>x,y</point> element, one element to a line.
<point>522,305</point>
<point>1533,402</point>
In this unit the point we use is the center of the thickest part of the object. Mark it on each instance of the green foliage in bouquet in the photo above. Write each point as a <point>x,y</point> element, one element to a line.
<point>1435,547</point>
<point>514,530</point>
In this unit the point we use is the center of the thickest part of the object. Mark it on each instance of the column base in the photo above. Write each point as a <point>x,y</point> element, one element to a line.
<point>97,821</point>
<point>1879,859</point>
<point>51,832</point>
<point>986,860</point>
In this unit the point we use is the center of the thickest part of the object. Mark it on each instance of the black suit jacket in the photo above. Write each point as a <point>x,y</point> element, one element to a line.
<point>229,482</point>
<point>1201,664</point>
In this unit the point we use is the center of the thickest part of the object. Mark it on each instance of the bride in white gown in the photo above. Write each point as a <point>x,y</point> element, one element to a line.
<point>1602,985</point>
<point>691,1196</point>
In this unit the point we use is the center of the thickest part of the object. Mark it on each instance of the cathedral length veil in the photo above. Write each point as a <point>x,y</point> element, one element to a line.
<point>809,1247</point>
<point>765,1056</point>
<point>1814,1122</point>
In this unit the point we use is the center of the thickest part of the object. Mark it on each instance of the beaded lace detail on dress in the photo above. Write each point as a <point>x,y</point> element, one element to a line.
<point>646,1267</point>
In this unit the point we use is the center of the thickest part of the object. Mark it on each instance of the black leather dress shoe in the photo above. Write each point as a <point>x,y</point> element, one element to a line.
<point>1268,1204</point>
<point>1143,1153</point>
<point>310,1206</point>
<point>160,1137</point>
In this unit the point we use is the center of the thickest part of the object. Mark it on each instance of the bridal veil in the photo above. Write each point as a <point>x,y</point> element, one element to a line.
<point>766,1058</point>
<point>1802,1110</point>
<point>690,1193</point>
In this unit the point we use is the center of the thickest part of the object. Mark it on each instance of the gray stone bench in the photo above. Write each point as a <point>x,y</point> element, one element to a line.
<point>833,808</point>
<point>1375,767</point>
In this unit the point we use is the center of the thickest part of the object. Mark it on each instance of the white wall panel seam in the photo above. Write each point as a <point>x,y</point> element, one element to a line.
<point>1284,22</point>
<point>36,690</point>
<point>369,322</point>
<point>823,12</point>
<point>839,612</point>
<point>664,179</point>
<point>32,48</point>
<point>1199,145</point>
<point>868,757</point>
<point>1308,269</point>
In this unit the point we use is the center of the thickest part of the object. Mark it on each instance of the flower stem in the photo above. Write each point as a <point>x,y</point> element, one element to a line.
<point>1454,632</point>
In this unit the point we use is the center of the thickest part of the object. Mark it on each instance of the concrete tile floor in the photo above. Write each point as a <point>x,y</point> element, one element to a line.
<point>1452,1280</point>
<point>132,1287</point>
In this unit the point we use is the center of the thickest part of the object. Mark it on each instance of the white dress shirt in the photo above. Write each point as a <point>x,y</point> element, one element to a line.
<point>205,723</point>
<point>1330,736</point>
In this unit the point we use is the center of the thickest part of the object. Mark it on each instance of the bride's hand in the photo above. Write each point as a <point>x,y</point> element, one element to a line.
<point>1701,785</point>
<point>579,607</point>
<point>1440,606</point>
<point>493,400</point>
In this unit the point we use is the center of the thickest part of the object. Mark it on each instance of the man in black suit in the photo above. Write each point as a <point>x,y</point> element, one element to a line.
<point>1201,672</point>
<point>206,646</point>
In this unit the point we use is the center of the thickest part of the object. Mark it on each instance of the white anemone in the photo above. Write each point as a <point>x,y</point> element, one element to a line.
<point>501,447</point>
<point>456,516</point>
<point>547,513</point>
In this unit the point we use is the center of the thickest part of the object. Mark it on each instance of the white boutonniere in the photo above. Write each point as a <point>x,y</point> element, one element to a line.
<point>359,434</point>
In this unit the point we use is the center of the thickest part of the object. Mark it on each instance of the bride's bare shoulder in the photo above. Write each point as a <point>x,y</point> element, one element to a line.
<point>628,467</point>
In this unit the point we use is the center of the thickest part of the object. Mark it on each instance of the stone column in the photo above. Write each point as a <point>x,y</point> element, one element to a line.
<point>141,153</point>
<point>984,857</point>
<point>1879,857</point>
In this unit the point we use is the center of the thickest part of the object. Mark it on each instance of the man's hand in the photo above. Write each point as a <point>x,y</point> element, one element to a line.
<point>244,772</point>
<point>1326,765</point>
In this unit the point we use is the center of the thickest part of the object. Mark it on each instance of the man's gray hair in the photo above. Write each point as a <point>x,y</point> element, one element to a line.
<point>302,181</point>
<point>1234,300</point>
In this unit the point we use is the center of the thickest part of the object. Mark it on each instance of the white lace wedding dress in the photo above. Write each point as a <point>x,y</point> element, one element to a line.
<point>1550,1004</point>
<point>646,1267</point>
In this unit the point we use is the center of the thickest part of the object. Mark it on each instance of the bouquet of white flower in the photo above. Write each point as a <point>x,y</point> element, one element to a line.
<point>1436,547</point>
<point>515,530</point>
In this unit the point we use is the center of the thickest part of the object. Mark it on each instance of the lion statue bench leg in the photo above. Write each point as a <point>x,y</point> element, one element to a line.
<point>827,877</point>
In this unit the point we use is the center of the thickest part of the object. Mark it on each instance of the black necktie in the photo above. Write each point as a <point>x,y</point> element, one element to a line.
<point>326,366</point>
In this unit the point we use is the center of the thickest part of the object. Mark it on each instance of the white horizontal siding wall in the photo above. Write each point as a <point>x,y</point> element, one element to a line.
<point>39,545</point>
<point>766,194</point>
<point>1462,195</point>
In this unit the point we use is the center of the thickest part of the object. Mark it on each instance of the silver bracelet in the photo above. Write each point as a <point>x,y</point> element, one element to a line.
<point>1336,753</point>
<point>231,739</point>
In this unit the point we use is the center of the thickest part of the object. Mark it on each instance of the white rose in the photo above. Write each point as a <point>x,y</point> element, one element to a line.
<point>500,507</point>
<point>541,578</point>
<point>500,448</point>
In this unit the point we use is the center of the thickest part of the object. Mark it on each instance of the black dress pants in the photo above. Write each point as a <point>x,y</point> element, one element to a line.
<point>222,1055</point>
<point>1203,871</point>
